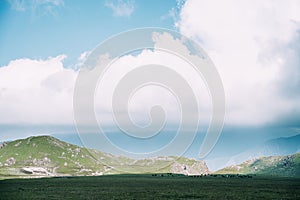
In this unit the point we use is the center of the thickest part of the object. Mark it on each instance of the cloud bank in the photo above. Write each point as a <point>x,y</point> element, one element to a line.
<point>255,46</point>
<point>36,92</point>
<point>41,91</point>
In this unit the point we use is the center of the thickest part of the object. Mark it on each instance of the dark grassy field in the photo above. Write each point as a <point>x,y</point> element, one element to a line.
<point>150,187</point>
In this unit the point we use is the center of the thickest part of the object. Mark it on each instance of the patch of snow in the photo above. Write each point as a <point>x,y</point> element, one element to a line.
<point>85,170</point>
<point>16,145</point>
<point>28,140</point>
<point>97,173</point>
<point>35,170</point>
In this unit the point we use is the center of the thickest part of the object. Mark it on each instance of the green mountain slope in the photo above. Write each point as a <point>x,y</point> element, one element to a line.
<point>48,156</point>
<point>273,165</point>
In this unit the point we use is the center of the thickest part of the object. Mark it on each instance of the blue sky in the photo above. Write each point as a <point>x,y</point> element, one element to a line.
<point>254,46</point>
<point>71,27</point>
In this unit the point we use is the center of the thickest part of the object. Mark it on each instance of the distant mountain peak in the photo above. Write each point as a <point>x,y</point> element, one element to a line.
<point>271,165</point>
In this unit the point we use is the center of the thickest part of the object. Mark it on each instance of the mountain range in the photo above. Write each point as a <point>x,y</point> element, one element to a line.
<point>275,147</point>
<point>47,156</point>
<point>288,166</point>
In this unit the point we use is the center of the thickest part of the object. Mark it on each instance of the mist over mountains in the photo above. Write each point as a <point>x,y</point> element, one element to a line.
<point>275,147</point>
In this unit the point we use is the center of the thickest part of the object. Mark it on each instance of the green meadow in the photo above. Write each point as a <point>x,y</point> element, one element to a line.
<point>162,186</point>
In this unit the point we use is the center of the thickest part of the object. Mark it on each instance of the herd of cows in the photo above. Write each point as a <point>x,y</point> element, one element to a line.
<point>206,175</point>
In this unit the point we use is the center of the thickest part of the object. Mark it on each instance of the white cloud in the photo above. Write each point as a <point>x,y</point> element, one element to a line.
<point>121,8</point>
<point>37,7</point>
<point>41,91</point>
<point>81,59</point>
<point>18,5</point>
<point>36,92</point>
<point>143,99</point>
<point>255,46</point>
<point>174,13</point>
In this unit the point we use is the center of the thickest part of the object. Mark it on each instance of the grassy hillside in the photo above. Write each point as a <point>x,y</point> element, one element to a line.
<point>48,156</point>
<point>273,165</point>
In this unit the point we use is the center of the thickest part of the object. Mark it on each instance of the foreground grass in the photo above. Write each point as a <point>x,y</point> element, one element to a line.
<point>149,187</point>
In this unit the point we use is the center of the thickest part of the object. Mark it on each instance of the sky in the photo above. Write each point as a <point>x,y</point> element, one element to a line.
<point>71,27</point>
<point>255,46</point>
